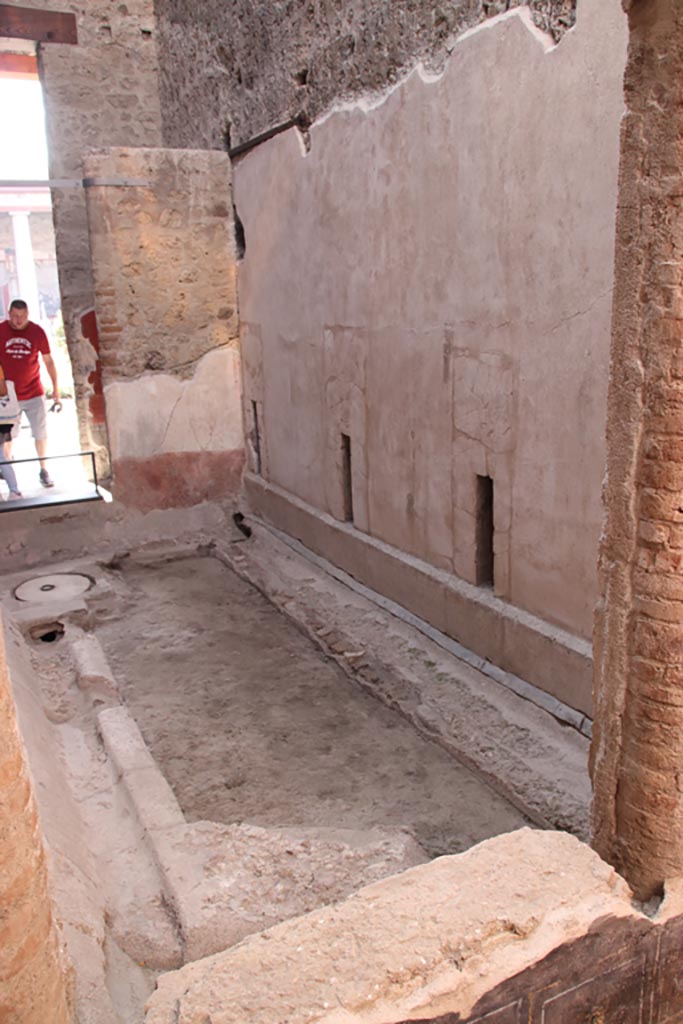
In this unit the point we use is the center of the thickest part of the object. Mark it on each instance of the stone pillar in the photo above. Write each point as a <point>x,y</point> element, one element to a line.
<point>26,267</point>
<point>163,261</point>
<point>32,985</point>
<point>637,754</point>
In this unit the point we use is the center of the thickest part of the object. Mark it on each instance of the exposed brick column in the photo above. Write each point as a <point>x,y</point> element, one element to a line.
<point>32,985</point>
<point>637,755</point>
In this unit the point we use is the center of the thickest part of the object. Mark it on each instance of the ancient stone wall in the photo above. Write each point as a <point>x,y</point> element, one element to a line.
<point>102,91</point>
<point>425,301</point>
<point>164,269</point>
<point>32,966</point>
<point>637,813</point>
<point>243,68</point>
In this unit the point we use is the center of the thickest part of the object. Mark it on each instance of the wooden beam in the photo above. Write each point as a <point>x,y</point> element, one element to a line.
<point>18,65</point>
<point>40,26</point>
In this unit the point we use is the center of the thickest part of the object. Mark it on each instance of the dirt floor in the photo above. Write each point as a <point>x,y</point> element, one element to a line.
<point>250,723</point>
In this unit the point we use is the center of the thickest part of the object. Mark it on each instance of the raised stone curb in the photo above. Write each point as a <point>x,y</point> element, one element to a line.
<point>92,668</point>
<point>151,796</point>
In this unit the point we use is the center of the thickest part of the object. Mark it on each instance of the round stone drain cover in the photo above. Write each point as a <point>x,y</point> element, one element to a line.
<point>59,587</point>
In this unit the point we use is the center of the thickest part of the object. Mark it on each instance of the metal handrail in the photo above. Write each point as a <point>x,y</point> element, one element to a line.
<point>50,458</point>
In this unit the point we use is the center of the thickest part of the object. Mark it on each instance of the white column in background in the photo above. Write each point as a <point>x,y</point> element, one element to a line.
<point>26,268</point>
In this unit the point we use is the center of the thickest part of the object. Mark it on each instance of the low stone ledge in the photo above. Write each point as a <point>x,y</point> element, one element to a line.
<point>535,650</point>
<point>31,617</point>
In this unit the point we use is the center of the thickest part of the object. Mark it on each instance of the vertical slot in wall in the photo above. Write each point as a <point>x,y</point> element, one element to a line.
<point>256,437</point>
<point>347,488</point>
<point>484,532</point>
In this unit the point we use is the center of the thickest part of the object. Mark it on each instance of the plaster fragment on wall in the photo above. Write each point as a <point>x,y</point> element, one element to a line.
<point>158,413</point>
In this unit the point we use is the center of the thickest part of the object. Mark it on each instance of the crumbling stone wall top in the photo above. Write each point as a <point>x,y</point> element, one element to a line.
<point>236,70</point>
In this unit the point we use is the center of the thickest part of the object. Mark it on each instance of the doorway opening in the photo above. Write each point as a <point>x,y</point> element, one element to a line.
<point>28,272</point>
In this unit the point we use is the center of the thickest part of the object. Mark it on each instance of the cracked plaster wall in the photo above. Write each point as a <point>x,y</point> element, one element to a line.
<point>250,66</point>
<point>164,272</point>
<point>434,279</point>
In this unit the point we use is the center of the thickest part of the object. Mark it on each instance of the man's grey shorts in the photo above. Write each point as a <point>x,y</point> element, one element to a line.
<point>36,414</point>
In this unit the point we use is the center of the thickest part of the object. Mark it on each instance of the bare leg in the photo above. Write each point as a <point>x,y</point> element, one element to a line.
<point>7,470</point>
<point>41,449</point>
<point>41,452</point>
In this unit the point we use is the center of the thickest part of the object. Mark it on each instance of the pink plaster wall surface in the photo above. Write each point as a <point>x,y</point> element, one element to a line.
<point>434,279</point>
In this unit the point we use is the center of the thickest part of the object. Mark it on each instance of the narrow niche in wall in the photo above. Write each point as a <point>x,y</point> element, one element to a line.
<point>347,490</point>
<point>484,532</point>
<point>256,437</point>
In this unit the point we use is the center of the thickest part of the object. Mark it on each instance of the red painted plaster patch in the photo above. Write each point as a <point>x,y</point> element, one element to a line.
<point>177,479</point>
<point>89,331</point>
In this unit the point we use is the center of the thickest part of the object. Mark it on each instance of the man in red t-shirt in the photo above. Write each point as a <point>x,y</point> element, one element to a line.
<point>21,344</point>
